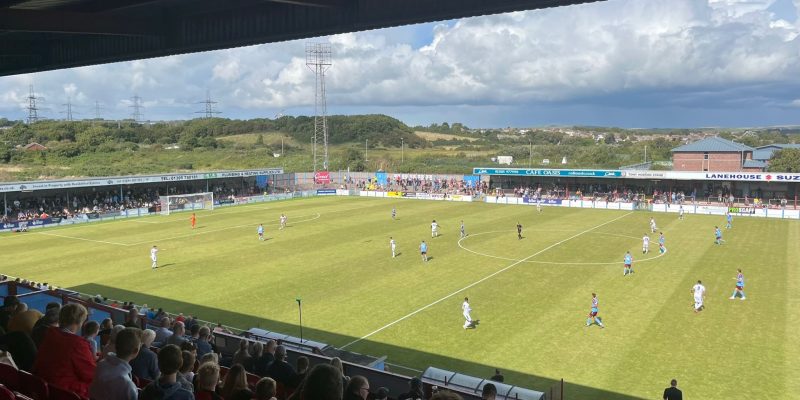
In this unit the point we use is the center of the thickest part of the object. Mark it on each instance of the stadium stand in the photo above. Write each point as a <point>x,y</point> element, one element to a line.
<point>314,357</point>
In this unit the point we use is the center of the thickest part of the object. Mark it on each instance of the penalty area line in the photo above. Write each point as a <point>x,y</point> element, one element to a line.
<point>479,281</point>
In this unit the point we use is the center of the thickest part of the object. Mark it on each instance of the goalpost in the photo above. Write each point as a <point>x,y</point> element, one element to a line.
<point>186,202</point>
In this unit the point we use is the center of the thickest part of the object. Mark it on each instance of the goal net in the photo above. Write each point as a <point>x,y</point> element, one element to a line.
<point>186,202</point>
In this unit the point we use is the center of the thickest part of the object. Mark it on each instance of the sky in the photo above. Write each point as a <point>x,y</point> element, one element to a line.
<point>626,63</point>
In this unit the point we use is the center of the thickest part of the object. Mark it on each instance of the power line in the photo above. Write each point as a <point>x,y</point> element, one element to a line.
<point>209,110</point>
<point>97,110</point>
<point>68,110</point>
<point>318,60</point>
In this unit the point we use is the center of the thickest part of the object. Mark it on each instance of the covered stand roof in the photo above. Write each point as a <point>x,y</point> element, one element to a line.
<point>40,35</point>
<point>713,145</point>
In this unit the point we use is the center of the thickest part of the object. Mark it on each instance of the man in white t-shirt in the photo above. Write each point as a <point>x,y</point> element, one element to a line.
<point>434,229</point>
<point>393,245</point>
<point>465,308</point>
<point>653,225</point>
<point>699,292</point>
<point>645,244</point>
<point>154,257</point>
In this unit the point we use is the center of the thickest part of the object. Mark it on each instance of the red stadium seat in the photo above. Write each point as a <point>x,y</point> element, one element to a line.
<point>33,386</point>
<point>9,376</point>
<point>56,393</point>
<point>6,393</point>
<point>252,380</point>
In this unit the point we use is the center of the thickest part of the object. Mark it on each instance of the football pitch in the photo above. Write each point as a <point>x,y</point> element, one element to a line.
<point>531,295</point>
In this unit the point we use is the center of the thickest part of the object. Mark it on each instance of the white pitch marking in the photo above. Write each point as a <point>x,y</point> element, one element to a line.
<point>551,262</point>
<point>80,238</point>
<point>417,311</point>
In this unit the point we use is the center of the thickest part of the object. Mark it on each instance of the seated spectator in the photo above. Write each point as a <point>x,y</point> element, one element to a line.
<point>90,330</point>
<point>258,354</point>
<point>109,348</point>
<point>269,351</point>
<point>145,365</point>
<point>489,392</point>
<point>382,394</point>
<point>177,335</point>
<point>64,358</point>
<point>185,374</point>
<point>265,389</point>
<point>302,370</point>
<point>163,333</point>
<point>166,387</point>
<point>132,319</point>
<point>105,332</point>
<point>207,379</point>
<point>10,304</point>
<point>191,322</point>
<point>337,362</point>
<point>357,388</point>
<point>189,346</point>
<point>160,314</point>
<point>203,346</point>
<point>414,390</point>
<point>446,395</point>
<point>280,370</point>
<point>324,382</point>
<point>242,356</point>
<point>112,377</point>
<point>194,332</point>
<point>180,318</point>
<point>19,345</point>
<point>50,319</point>
<point>24,321</point>
<point>235,381</point>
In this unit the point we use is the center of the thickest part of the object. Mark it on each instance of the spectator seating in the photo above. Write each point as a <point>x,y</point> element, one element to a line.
<point>57,393</point>
<point>23,385</point>
<point>33,386</point>
<point>6,393</point>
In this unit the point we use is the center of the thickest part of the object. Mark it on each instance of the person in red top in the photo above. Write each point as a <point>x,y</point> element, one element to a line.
<point>65,358</point>
<point>193,219</point>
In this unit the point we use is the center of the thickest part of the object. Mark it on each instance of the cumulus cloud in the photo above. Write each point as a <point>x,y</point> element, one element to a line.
<point>625,53</point>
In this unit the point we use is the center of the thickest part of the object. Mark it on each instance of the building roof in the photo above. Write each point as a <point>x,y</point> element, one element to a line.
<point>754,164</point>
<point>766,152</point>
<point>713,145</point>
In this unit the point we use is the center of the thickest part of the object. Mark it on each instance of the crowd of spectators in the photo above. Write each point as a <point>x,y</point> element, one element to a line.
<point>422,185</point>
<point>176,361</point>
<point>78,205</point>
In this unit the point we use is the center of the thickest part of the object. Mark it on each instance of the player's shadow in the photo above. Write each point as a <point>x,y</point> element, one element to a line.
<point>430,258</point>
<point>398,254</point>
<point>166,265</point>
<point>474,324</point>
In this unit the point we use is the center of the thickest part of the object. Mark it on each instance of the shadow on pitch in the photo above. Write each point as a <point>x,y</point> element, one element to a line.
<point>422,359</point>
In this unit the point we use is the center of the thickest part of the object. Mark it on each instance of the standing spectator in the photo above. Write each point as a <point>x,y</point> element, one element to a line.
<point>235,381</point>
<point>242,356</point>
<point>256,365</point>
<point>207,379</point>
<point>357,389</point>
<point>167,386</point>
<point>65,359</point>
<point>112,377</point>
<point>145,365</point>
<point>50,319</point>
<point>672,392</point>
<point>109,348</point>
<point>337,362</point>
<point>280,370</point>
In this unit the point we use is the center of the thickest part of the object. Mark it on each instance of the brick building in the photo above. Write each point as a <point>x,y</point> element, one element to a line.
<point>715,154</point>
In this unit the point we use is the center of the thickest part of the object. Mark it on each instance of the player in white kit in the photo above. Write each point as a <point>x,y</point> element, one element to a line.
<point>154,257</point>
<point>465,308</point>
<point>653,228</point>
<point>680,212</point>
<point>699,292</point>
<point>645,244</point>
<point>283,221</point>
<point>434,229</point>
<point>393,245</point>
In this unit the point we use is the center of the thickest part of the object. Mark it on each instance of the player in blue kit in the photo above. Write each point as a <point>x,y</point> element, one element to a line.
<point>729,220</point>
<point>593,317</point>
<point>661,241</point>
<point>260,232</point>
<point>628,264</point>
<point>718,235</point>
<point>739,285</point>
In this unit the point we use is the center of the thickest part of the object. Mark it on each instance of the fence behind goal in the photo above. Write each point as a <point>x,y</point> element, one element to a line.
<point>186,202</point>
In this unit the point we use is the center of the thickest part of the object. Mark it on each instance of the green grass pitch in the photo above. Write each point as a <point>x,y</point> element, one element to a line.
<point>531,295</point>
